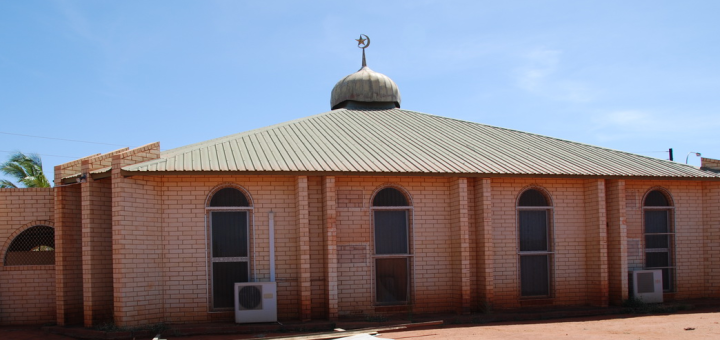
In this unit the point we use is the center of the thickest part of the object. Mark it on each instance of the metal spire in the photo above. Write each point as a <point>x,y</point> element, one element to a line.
<point>363,43</point>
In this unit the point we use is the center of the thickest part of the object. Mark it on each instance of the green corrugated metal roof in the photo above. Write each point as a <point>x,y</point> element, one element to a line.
<point>402,141</point>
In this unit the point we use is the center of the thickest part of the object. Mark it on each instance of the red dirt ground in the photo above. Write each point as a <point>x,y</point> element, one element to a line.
<point>656,327</point>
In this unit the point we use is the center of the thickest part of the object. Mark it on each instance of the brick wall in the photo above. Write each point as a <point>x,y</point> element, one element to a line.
<point>27,293</point>
<point>711,220</point>
<point>687,198</point>
<point>569,273</point>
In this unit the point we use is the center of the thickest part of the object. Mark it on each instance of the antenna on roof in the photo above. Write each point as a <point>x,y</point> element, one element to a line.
<point>363,43</point>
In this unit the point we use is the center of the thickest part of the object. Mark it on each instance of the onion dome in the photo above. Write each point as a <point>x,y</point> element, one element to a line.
<point>365,87</point>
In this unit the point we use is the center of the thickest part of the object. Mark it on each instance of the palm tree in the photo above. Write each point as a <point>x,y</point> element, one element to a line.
<point>26,169</point>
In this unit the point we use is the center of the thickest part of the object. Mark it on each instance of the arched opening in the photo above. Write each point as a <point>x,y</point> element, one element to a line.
<point>391,229</point>
<point>34,246</point>
<point>228,213</point>
<point>534,243</point>
<point>659,236</point>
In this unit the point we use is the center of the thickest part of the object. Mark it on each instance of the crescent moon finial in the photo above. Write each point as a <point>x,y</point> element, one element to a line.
<point>363,43</point>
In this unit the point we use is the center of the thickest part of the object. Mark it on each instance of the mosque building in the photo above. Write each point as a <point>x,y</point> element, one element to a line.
<point>367,209</point>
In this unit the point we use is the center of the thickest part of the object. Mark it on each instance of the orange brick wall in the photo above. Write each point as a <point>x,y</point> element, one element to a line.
<point>689,232</point>
<point>568,283</point>
<point>27,293</point>
<point>711,217</point>
<point>463,241</point>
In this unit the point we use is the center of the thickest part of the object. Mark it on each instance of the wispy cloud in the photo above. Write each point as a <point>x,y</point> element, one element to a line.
<point>542,75</point>
<point>628,124</point>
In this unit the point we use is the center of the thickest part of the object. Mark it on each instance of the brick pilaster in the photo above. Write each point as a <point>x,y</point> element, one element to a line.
<point>329,218</point>
<point>617,241</point>
<point>96,247</point>
<point>483,215</point>
<point>596,239</point>
<point>68,252</point>
<point>303,228</point>
<point>461,241</point>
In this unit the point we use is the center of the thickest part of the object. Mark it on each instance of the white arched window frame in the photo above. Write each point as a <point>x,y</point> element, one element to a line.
<point>659,235</point>
<point>392,218</point>
<point>229,219</point>
<point>535,247</point>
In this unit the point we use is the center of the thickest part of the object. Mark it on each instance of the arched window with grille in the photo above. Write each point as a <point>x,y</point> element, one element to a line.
<point>228,212</point>
<point>34,246</point>
<point>659,235</point>
<point>391,215</point>
<point>534,212</point>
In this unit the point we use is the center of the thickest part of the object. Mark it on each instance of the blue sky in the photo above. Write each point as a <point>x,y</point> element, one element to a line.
<point>637,76</point>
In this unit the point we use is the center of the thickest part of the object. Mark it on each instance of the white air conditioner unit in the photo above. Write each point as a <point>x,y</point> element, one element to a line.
<point>255,302</point>
<point>646,285</point>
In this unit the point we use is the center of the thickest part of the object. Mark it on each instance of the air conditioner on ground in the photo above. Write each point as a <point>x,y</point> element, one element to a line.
<point>646,285</point>
<point>255,302</point>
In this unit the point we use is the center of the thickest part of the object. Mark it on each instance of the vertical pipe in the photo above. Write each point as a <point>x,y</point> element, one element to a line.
<point>272,245</point>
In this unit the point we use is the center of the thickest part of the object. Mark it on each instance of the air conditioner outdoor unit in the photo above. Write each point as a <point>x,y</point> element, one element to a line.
<point>255,302</point>
<point>646,285</point>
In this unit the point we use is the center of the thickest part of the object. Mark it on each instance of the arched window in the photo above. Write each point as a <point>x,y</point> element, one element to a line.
<point>659,236</point>
<point>34,246</point>
<point>534,243</point>
<point>228,237</point>
<point>391,221</point>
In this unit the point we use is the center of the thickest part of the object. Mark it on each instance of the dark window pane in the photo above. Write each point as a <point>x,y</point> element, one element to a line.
<point>657,259</point>
<point>534,275</point>
<point>391,232</point>
<point>656,221</point>
<point>390,197</point>
<point>656,199</point>
<point>532,198</point>
<point>533,230</point>
<point>229,234</point>
<point>225,274</point>
<point>229,197</point>
<point>667,279</point>
<point>391,280</point>
<point>657,241</point>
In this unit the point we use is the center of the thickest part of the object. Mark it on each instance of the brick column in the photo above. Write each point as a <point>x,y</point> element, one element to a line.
<point>303,227</point>
<point>329,218</point>
<point>616,241</point>
<point>68,253</point>
<point>96,248</point>
<point>461,242</point>
<point>596,261</point>
<point>483,216</point>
